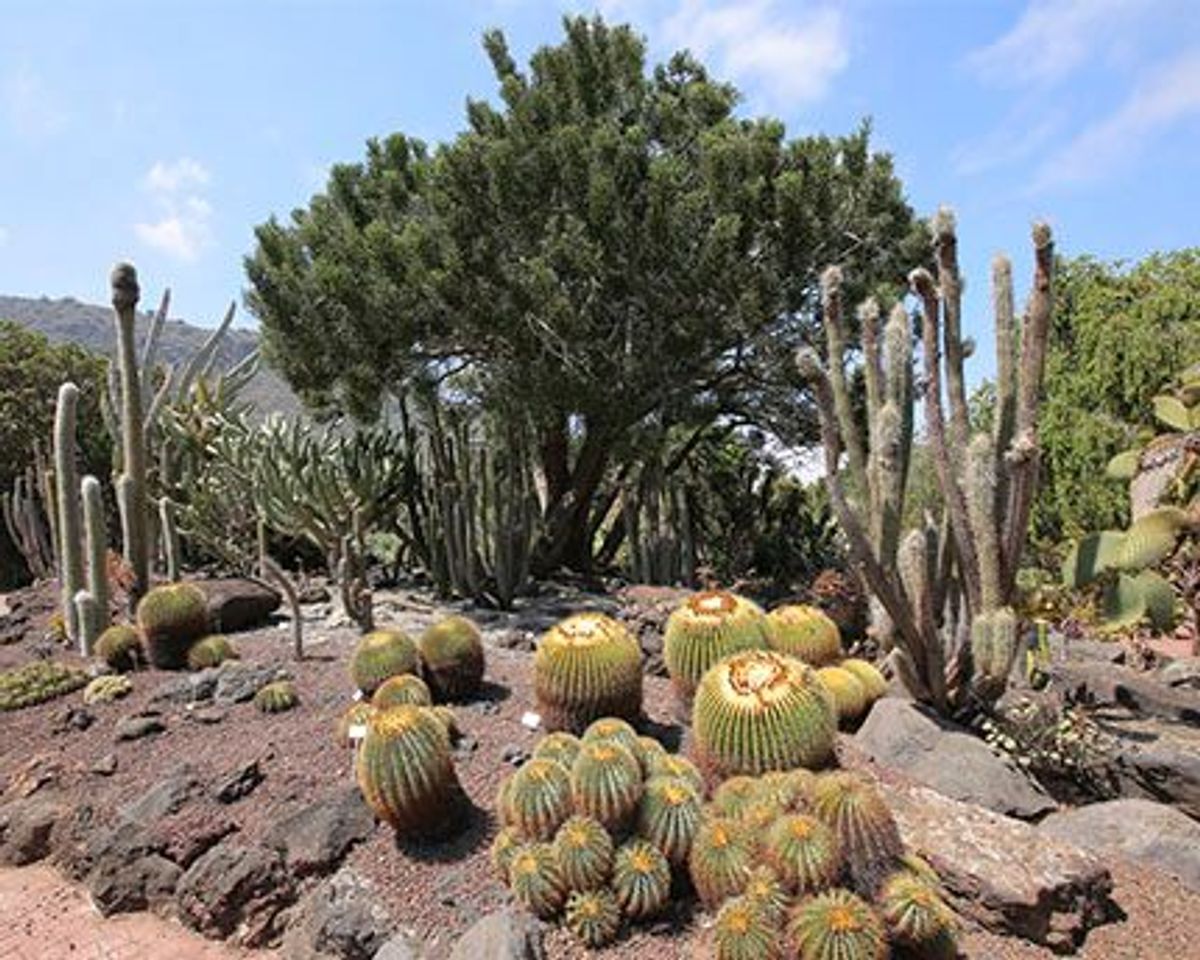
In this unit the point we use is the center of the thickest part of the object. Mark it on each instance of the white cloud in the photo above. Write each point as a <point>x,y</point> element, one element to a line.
<point>1166,96</point>
<point>182,228</point>
<point>1015,140</point>
<point>30,109</point>
<point>789,59</point>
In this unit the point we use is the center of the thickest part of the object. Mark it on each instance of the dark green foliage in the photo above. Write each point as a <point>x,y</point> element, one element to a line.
<point>538,799</point>
<point>120,647</point>
<point>380,655</point>
<point>210,651</point>
<point>38,682</point>
<point>669,816</point>
<point>277,697</point>
<point>836,926</point>
<point>587,667</point>
<point>593,916</point>
<point>452,658</point>
<point>606,783</point>
<point>746,930</point>
<point>585,852</point>
<point>403,689</point>
<point>724,852</point>
<point>171,618</point>
<point>536,879</point>
<point>641,879</point>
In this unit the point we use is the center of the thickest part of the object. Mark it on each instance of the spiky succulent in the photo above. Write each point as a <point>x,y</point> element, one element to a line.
<point>765,890</point>
<point>735,794</point>
<point>836,925</point>
<point>650,751</point>
<point>760,710</point>
<point>705,629</point>
<point>874,683</point>
<point>585,853</point>
<point>641,879</point>
<point>380,655</point>
<point>723,853</point>
<point>669,816</point>
<point>916,915</point>
<point>210,651</point>
<point>680,768</point>
<point>848,693</point>
<point>448,720</point>
<point>804,852</point>
<point>790,789</point>
<point>356,715</point>
<point>538,799</point>
<point>276,697</point>
<point>171,618</point>
<point>745,930</point>
<point>587,667</point>
<point>505,845</point>
<point>120,646</point>
<point>406,688</point>
<point>560,746</point>
<point>452,657</point>
<point>866,830</point>
<point>38,682</point>
<point>536,880</point>
<point>107,688</point>
<point>805,633</point>
<point>606,783</point>
<point>593,916</point>
<point>406,773</point>
<point>615,730</point>
<point>762,811</point>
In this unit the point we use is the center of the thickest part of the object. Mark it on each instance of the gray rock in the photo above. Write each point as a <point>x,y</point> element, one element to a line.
<point>1182,673</point>
<point>239,682</point>
<point>514,754</point>
<point>190,688</point>
<point>166,797</point>
<point>236,604</point>
<point>239,783</point>
<point>73,718</point>
<point>126,869</point>
<point>106,766</point>
<point>25,829</point>
<point>1153,834</point>
<point>1108,684</point>
<point>342,917</point>
<point>504,935</point>
<point>135,728</point>
<point>900,735</point>
<point>1155,759</point>
<point>1003,873</point>
<point>401,947</point>
<point>316,838</point>
<point>234,889</point>
<point>208,715</point>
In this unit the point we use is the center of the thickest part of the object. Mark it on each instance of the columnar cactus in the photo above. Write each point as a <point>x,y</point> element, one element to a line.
<point>452,658</point>
<point>70,522</point>
<point>706,628</point>
<point>171,618</point>
<point>586,667</point>
<point>96,537</point>
<point>804,632</point>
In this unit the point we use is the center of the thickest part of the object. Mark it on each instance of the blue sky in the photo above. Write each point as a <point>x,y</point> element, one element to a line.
<point>164,131</point>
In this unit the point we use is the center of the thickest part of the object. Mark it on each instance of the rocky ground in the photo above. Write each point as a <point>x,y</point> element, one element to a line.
<point>183,799</point>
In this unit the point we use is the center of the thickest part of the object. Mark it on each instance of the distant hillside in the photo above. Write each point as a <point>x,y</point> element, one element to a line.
<point>91,326</point>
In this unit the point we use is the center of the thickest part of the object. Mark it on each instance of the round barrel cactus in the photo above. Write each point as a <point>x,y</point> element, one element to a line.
<point>705,629</point>
<point>744,930</point>
<point>804,852</point>
<point>641,879</point>
<point>536,880</point>
<point>538,799</point>
<point>452,658</point>
<point>917,916</point>
<point>356,715</point>
<point>503,849</point>
<point>866,830</point>
<point>762,811</point>
<point>733,796</point>
<point>171,618</point>
<point>614,729</point>
<point>764,889</point>
<point>760,710</point>
<point>120,647</point>
<point>585,853</point>
<point>836,925</point>
<point>277,697</point>
<point>560,746</point>
<point>669,816</point>
<point>404,689</point>
<point>790,789</point>
<point>804,632</point>
<point>874,683</point>
<point>593,916</point>
<point>380,655</point>
<point>848,693</point>
<point>210,651</point>
<point>724,851</point>
<point>406,773</point>
<point>606,783</point>
<point>587,667</point>
<point>674,766</point>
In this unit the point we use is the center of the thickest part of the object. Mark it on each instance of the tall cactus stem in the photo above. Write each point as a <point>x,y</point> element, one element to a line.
<point>69,513</point>
<point>96,536</point>
<point>170,538</point>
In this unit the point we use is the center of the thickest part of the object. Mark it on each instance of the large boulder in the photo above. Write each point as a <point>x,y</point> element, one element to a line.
<point>237,604</point>
<point>1003,873</point>
<point>127,869</point>
<point>1155,759</point>
<point>1153,834</point>
<point>1111,684</point>
<point>235,892</point>
<point>504,935</point>
<point>25,829</point>
<point>902,736</point>
<point>341,918</point>
<point>317,837</point>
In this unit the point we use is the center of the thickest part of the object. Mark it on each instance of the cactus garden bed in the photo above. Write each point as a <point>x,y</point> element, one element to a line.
<point>243,812</point>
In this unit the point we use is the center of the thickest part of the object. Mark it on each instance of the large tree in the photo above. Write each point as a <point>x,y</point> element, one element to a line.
<point>606,253</point>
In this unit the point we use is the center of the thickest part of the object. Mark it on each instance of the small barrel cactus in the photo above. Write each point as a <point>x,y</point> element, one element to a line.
<point>616,730</point>
<point>606,783</point>
<point>406,773</point>
<point>669,816</point>
<point>403,689</point>
<point>380,655</point>
<point>708,627</point>
<point>674,766</point>
<point>120,647</point>
<point>805,633</point>
<point>585,853</point>
<point>536,880</point>
<point>452,658</point>
<point>210,651</point>
<point>38,682</point>
<point>447,719</point>
<point>866,830</point>
<point>790,789</point>
<point>593,916</point>
<point>766,891</point>
<point>723,853</point>
<point>277,697</point>
<point>504,847</point>
<point>744,930</point>
<point>586,667</point>
<point>760,710</point>
<point>836,925</point>
<point>874,683</point>
<point>917,916</point>
<point>849,695</point>
<point>107,688</point>
<point>804,853</point>
<point>651,750</point>
<point>641,879</point>
<point>354,719</point>
<point>735,795</point>
<point>560,746</point>
<point>171,618</point>
<point>538,799</point>
<point>762,811</point>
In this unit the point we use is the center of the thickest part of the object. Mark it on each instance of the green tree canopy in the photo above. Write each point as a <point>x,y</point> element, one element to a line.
<point>606,253</point>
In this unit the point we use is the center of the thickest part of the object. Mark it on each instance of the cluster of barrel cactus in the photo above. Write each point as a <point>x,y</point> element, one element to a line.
<point>36,682</point>
<point>171,618</point>
<point>448,656</point>
<point>705,629</point>
<point>597,828</point>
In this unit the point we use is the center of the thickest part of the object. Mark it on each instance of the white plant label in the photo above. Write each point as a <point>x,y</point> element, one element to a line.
<point>358,731</point>
<point>531,720</point>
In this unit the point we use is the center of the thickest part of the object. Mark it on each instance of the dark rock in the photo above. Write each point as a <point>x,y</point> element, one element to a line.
<point>237,604</point>
<point>1154,759</point>
<point>1107,684</point>
<point>239,682</point>
<point>1003,873</point>
<point>524,640</point>
<point>106,766</point>
<point>504,935</point>
<point>190,688</point>
<point>487,708</point>
<point>316,838</point>
<point>193,832</point>
<point>239,783</point>
<point>135,728</point>
<point>401,947</point>
<point>25,829</point>
<point>465,746</point>
<point>900,735</point>
<point>514,754</point>
<point>166,797</point>
<point>234,889</point>
<point>73,718</point>
<point>342,917</point>
<point>126,869</point>
<point>1153,834</point>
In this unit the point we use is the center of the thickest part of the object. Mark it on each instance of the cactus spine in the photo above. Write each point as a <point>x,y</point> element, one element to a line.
<point>69,514</point>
